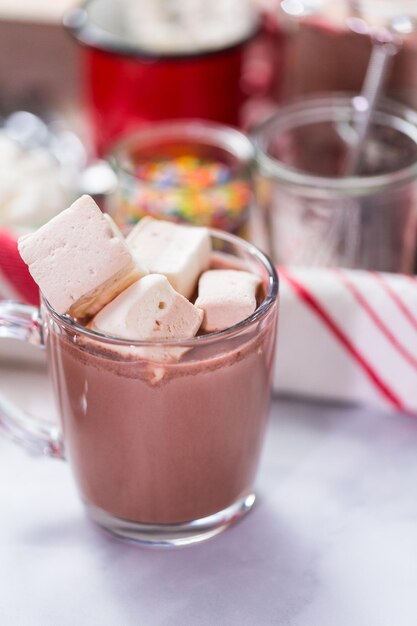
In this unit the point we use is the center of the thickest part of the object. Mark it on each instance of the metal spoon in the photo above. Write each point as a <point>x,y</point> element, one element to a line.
<point>385,45</point>
<point>365,104</point>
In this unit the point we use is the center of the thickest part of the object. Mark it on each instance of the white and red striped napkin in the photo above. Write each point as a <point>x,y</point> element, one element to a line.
<point>348,335</point>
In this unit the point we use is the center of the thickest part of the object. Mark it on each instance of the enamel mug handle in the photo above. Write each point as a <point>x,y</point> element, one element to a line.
<point>20,321</point>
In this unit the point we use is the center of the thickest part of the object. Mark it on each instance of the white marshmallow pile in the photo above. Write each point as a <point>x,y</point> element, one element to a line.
<point>138,288</point>
<point>32,186</point>
<point>187,26</point>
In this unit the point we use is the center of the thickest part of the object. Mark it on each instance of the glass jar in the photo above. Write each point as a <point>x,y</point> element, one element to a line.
<point>318,216</point>
<point>192,171</point>
<point>328,44</point>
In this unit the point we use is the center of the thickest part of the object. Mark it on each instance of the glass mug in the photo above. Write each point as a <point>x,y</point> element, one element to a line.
<point>163,437</point>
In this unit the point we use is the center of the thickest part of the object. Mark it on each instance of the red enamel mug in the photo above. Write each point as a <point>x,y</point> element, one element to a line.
<point>127,86</point>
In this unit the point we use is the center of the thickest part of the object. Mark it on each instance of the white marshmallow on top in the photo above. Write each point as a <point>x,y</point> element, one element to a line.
<point>78,260</point>
<point>226,297</point>
<point>179,252</point>
<point>147,310</point>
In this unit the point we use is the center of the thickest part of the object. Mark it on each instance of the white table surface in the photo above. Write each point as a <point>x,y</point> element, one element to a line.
<point>332,541</point>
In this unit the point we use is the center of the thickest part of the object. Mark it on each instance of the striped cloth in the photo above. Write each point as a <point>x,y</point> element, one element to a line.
<point>348,335</point>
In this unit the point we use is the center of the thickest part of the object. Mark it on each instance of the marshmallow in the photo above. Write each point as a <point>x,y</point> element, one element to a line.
<point>78,260</point>
<point>116,230</point>
<point>179,252</point>
<point>149,309</point>
<point>226,297</point>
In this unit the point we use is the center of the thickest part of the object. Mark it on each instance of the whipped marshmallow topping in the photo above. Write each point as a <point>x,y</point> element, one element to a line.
<point>179,252</point>
<point>78,260</point>
<point>226,297</point>
<point>149,309</point>
<point>187,25</point>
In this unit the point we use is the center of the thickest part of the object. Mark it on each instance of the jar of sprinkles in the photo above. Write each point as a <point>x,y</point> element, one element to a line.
<point>188,171</point>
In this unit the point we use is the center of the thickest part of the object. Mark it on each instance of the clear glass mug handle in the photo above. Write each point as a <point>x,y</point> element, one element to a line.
<point>20,321</point>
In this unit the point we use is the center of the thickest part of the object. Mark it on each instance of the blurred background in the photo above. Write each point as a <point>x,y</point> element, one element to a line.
<point>98,70</point>
<point>292,123</point>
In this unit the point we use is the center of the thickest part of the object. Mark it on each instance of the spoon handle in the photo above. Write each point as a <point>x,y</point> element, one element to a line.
<point>364,104</point>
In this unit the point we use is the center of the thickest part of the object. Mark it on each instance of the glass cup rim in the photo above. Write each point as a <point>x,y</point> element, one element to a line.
<point>190,131</point>
<point>322,185</point>
<point>201,340</point>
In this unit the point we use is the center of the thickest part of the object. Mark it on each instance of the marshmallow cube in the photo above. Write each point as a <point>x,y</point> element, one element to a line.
<point>179,252</point>
<point>78,260</point>
<point>226,297</point>
<point>149,309</point>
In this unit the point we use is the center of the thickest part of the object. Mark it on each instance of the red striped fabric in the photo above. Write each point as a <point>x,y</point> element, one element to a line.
<point>396,299</point>
<point>308,298</point>
<point>374,316</point>
<point>15,271</point>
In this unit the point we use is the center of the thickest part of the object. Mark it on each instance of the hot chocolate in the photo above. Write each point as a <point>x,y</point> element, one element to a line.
<point>163,395</point>
<point>164,443</point>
